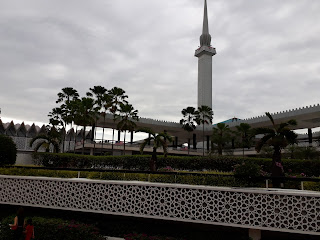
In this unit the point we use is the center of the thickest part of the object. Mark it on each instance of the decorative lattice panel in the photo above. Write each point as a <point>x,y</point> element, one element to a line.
<point>295,211</point>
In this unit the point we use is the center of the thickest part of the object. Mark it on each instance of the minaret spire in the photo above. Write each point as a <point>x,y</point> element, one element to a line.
<point>204,54</point>
<point>205,38</point>
<point>205,28</point>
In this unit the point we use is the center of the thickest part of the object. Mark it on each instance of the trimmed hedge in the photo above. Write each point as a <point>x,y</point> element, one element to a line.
<point>141,162</point>
<point>204,179</point>
<point>54,228</point>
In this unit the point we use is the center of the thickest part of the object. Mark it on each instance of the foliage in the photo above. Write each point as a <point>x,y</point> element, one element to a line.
<point>221,136</point>
<point>312,186</point>
<point>279,136</point>
<point>116,98</point>
<point>306,152</point>
<point>54,228</point>
<point>247,170</point>
<point>204,115</point>
<point>8,150</point>
<point>141,162</point>
<point>52,138</point>
<point>188,122</point>
<point>127,118</point>
<point>246,135</point>
<point>159,140</point>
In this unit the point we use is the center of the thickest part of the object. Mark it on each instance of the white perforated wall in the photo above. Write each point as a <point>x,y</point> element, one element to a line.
<point>291,211</point>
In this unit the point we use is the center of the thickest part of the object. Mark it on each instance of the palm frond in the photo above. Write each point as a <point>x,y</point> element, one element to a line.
<point>261,130</point>
<point>262,141</point>
<point>270,117</point>
<point>146,130</point>
<point>143,144</point>
<point>41,136</point>
<point>40,144</point>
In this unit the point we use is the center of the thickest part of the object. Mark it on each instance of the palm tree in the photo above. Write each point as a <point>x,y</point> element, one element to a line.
<point>98,92</point>
<point>106,103</point>
<point>127,115</point>
<point>85,114</point>
<point>278,137</point>
<point>188,122</point>
<point>221,136</point>
<point>246,135</point>
<point>159,140</point>
<point>53,138</point>
<point>67,95</point>
<point>204,116</point>
<point>117,96</point>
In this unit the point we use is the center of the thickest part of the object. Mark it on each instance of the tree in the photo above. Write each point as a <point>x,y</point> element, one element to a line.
<point>106,103</point>
<point>188,122</point>
<point>244,130</point>
<point>127,115</point>
<point>98,92</point>
<point>52,138</point>
<point>204,116</point>
<point>221,135</point>
<point>159,140</point>
<point>278,137</point>
<point>117,96</point>
<point>58,119</point>
<point>85,114</point>
<point>67,95</point>
<point>8,150</point>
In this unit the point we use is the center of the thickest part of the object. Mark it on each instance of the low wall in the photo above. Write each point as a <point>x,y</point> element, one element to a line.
<point>274,210</point>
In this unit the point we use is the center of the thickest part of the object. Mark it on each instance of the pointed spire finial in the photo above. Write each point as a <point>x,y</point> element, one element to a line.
<point>205,28</point>
<point>205,38</point>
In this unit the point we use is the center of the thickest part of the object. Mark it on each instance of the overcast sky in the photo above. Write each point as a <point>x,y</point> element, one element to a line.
<point>267,54</point>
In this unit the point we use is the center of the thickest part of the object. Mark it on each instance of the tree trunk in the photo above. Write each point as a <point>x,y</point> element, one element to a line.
<point>69,138</point>
<point>112,140</point>
<point>104,120</point>
<point>277,169</point>
<point>219,149</point>
<point>153,161</point>
<point>75,140</point>
<point>124,143</point>
<point>94,133</point>
<point>203,138</point>
<point>83,138</point>
<point>189,146</point>
<point>64,137</point>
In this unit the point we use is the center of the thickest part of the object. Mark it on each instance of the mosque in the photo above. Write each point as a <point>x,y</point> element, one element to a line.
<point>307,118</point>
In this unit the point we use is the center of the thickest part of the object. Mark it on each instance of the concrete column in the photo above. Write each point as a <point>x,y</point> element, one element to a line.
<point>255,234</point>
<point>310,136</point>
<point>119,135</point>
<point>194,141</point>
<point>208,145</point>
<point>131,137</point>
<point>91,151</point>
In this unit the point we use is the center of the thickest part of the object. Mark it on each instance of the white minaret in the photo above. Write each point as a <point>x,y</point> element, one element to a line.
<point>204,54</point>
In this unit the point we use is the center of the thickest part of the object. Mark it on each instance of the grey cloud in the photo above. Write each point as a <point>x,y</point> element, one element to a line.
<point>267,52</point>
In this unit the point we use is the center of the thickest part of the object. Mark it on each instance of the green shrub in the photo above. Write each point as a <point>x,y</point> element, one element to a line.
<point>8,150</point>
<point>312,186</point>
<point>247,170</point>
<point>54,228</point>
